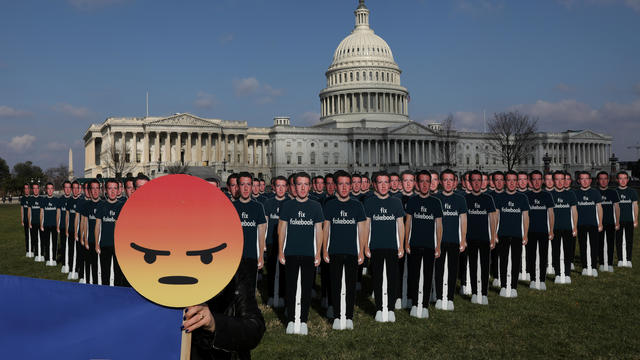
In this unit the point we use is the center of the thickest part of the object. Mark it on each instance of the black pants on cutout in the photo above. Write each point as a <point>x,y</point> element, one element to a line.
<point>567,242</point>
<point>272,263</point>
<point>91,263</point>
<point>495,255</point>
<point>325,282</point>
<point>82,261</point>
<point>628,228</point>
<point>378,258</point>
<point>250,268</point>
<point>515,245</point>
<point>542,241</point>
<point>35,233</point>
<point>26,237</point>
<point>427,257</point>
<point>62,243</point>
<point>50,243</point>
<point>610,231</point>
<point>594,239</point>
<point>400,277</point>
<point>451,252</point>
<point>107,257</point>
<point>305,265</point>
<point>338,262</point>
<point>481,248</point>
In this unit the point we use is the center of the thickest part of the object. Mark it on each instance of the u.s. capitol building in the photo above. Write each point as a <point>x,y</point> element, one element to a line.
<point>364,126</point>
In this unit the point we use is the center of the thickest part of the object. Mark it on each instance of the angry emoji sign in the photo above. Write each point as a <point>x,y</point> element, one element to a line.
<point>178,240</point>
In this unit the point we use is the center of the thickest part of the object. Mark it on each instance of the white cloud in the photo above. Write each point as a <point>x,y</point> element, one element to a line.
<point>9,112</point>
<point>309,118</point>
<point>205,100</point>
<point>92,4</point>
<point>251,86</point>
<point>68,109</point>
<point>562,87</point>
<point>56,146</point>
<point>632,4</point>
<point>246,86</point>
<point>21,143</point>
<point>226,38</point>
<point>477,6</point>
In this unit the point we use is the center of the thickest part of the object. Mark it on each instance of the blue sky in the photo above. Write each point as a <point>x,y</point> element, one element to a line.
<point>65,64</point>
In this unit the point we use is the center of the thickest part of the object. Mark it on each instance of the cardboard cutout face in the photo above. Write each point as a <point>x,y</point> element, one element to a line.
<point>178,241</point>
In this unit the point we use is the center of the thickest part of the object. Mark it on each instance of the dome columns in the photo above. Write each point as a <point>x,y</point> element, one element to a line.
<point>364,102</point>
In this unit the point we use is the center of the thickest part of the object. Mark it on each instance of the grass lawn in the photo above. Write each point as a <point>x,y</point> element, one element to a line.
<point>591,318</point>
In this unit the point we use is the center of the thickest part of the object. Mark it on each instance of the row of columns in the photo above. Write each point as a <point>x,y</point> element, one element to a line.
<point>583,153</point>
<point>367,102</point>
<point>163,146</point>
<point>385,152</point>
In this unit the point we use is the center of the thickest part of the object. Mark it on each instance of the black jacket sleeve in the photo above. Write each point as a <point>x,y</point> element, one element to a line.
<point>238,321</point>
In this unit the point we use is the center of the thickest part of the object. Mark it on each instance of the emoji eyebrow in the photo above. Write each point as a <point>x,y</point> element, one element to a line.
<point>150,251</point>
<point>207,251</point>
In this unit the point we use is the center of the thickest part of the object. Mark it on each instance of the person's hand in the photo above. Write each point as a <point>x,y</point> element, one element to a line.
<point>437,252</point>
<point>551,235</point>
<point>97,249</point>
<point>326,257</point>
<point>58,229</point>
<point>29,226</point>
<point>367,252</point>
<point>281,258</point>
<point>260,262</point>
<point>22,223</point>
<point>463,245</point>
<point>360,258</point>
<point>407,249</point>
<point>198,316</point>
<point>618,226</point>
<point>492,245</point>
<point>635,224</point>
<point>574,232</point>
<point>600,228</point>
<point>41,228</point>
<point>316,261</point>
<point>400,253</point>
<point>67,234</point>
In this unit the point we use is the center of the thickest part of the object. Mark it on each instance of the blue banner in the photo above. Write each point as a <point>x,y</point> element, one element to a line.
<point>46,319</point>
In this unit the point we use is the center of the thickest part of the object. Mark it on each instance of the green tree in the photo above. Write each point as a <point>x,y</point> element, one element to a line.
<point>27,172</point>
<point>5,176</point>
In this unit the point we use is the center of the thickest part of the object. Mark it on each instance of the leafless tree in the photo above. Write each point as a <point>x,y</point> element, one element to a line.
<point>178,168</point>
<point>115,161</point>
<point>510,137</point>
<point>447,133</point>
<point>57,175</point>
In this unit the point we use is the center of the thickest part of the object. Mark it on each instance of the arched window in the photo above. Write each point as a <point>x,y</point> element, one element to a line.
<point>357,76</point>
<point>364,76</point>
<point>377,76</point>
<point>351,76</point>
<point>370,75</point>
<point>312,158</point>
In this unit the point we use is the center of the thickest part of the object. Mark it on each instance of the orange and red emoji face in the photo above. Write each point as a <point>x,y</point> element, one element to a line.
<point>178,240</point>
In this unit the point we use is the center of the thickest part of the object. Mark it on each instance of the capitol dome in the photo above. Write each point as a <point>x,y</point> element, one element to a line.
<point>363,81</point>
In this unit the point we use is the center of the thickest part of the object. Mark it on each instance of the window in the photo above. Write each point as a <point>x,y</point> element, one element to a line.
<point>467,159</point>
<point>350,76</point>
<point>312,157</point>
<point>312,144</point>
<point>364,76</point>
<point>288,143</point>
<point>299,159</point>
<point>335,145</point>
<point>326,144</point>
<point>326,159</point>
<point>477,159</point>
<point>335,158</point>
<point>377,76</point>
<point>288,159</point>
<point>357,76</point>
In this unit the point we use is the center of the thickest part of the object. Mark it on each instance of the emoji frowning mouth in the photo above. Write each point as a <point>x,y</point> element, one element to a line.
<point>178,280</point>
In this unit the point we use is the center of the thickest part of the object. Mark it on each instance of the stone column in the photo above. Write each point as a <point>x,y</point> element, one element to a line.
<point>145,148</point>
<point>199,149</point>
<point>245,155</point>
<point>188,153</point>
<point>353,151</point>
<point>134,147</point>
<point>156,150</point>
<point>167,147</point>
<point>208,137</point>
